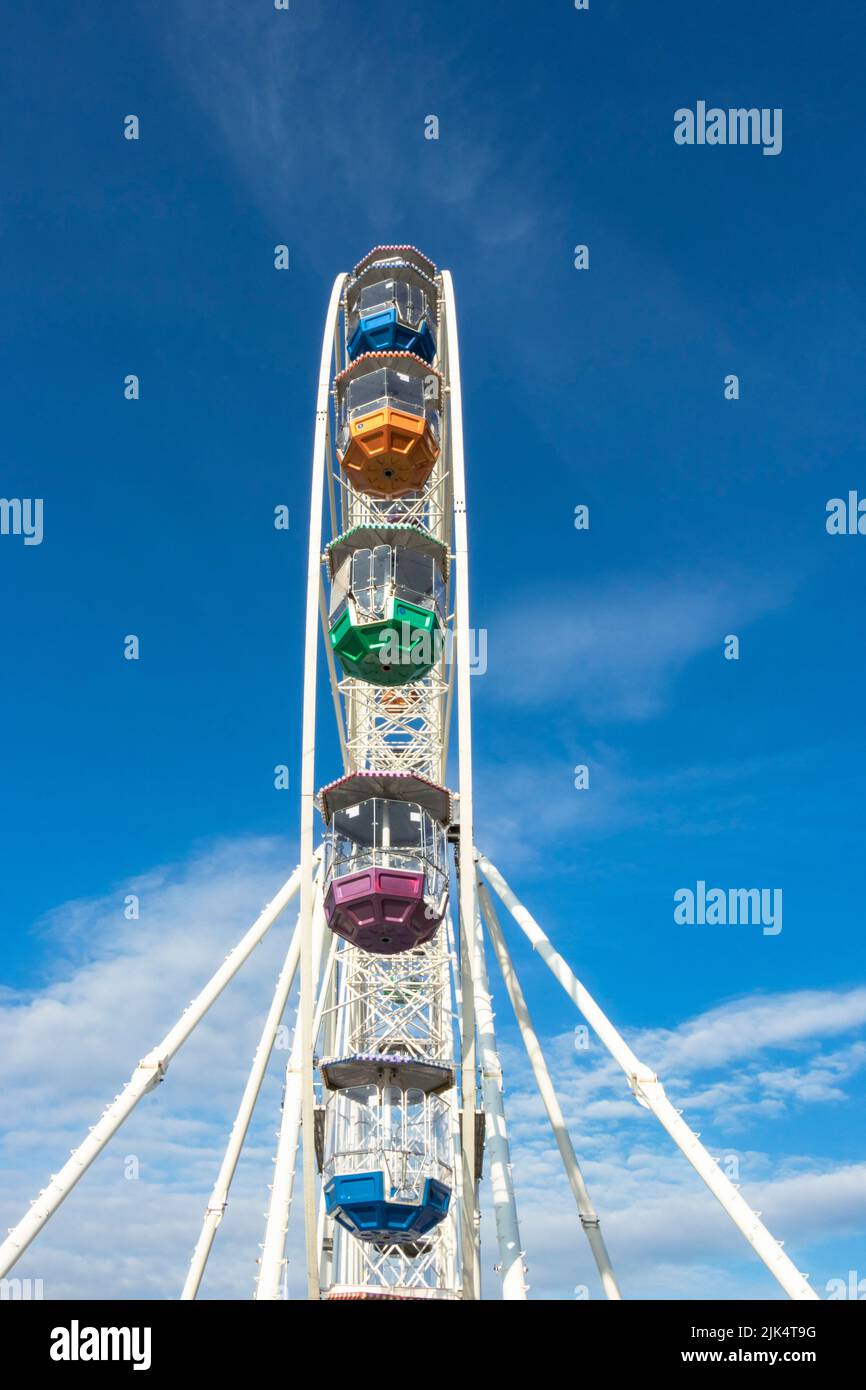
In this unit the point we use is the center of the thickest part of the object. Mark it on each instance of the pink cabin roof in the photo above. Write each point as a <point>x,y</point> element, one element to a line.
<point>356,787</point>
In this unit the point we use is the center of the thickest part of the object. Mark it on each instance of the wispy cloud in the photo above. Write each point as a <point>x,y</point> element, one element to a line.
<point>127,980</point>
<point>614,652</point>
<point>667,1237</point>
<point>746,1027</point>
<point>71,1040</point>
<point>759,1055</point>
<point>526,806</point>
<point>291,118</point>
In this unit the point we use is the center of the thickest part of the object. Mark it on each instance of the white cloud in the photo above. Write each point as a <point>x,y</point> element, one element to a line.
<point>615,651</point>
<point>743,1027</point>
<point>667,1236</point>
<point>71,1041</point>
<point>724,1064</point>
<point>525,805</point>
<point>268,85</point>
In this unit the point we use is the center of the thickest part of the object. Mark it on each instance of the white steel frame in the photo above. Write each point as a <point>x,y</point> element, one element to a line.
<point>426,1000</point>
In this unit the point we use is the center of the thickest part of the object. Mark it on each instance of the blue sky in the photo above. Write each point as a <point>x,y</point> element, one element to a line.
<point>602,387</point>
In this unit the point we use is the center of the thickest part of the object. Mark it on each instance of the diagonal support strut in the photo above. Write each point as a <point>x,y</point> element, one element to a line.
<point>649,1092</point>
<point>588,1216</point>
<point>148,1074</point>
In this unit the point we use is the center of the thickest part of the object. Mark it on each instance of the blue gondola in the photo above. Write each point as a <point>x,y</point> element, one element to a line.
<point>392,305</point>
<point>387,1146</point>
<point>359,1203</point>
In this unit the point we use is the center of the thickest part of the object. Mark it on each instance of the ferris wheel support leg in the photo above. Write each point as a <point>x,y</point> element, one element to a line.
<point>468,1066</point>
<point>273,1258</point>
<point>148,1074</point>
<point>326,1245</point>
<point>511,1266</point>
<point>466,849</point>
<point>453,1100</point>
<point>649,1092</point>
<point>588,1217</point>
<point>220,1194</point>
<point>332,671</point>
<point>464,1106</point>
<point>321,460</point>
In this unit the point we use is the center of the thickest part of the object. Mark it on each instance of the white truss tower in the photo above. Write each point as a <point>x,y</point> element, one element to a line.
<point>433,1002</point>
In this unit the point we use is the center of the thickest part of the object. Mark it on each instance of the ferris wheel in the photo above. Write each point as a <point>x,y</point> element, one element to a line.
<point>393,1093</point>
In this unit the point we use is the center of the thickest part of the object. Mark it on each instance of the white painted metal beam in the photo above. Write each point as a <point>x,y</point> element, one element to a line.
<point>587,1213</point>
<point>148,1074</point>
<point>321,461</point>
<point>648,1090</point>
<point>273,1258</point>
<point>466,850</point>
<point>220,1195</point>
<point>497,1151</point>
